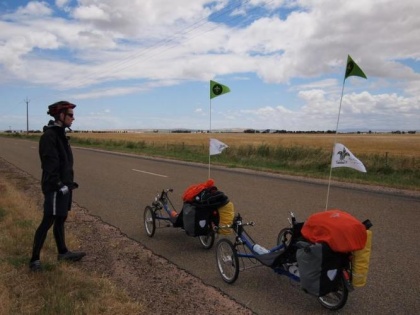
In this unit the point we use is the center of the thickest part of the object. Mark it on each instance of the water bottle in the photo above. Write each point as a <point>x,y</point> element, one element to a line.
<point>259,249</point>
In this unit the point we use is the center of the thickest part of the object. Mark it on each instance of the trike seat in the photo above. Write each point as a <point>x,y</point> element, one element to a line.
<point>177,221</point>
<point>270,259</point>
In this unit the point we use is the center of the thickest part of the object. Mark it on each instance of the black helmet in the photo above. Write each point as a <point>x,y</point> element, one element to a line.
<point>57,108</point>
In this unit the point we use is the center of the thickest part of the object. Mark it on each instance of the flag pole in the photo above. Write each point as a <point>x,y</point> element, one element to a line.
<point>216,89</point>
<point>352,69</point>
<point>209,138</point>
<point>335,141</point>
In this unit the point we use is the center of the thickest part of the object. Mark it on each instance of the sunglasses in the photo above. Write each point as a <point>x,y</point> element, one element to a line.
<point>70,115</point>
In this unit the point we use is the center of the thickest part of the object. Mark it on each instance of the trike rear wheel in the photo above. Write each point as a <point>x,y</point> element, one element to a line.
<point>207,241</point>
<point>337,299</point>
<point>149,217</point>
<point>227,261</point>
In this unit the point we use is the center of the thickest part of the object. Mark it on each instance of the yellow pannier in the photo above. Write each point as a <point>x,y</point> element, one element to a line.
<point>360,262</point>
<point>226,214</point>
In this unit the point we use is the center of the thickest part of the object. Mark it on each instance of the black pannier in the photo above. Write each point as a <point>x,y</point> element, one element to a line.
<point>198,214</point>
<point>196,220</point>
<point>320,269</point>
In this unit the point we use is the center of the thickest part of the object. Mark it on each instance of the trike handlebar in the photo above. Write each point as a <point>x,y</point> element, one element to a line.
<point>165,192</point>
<point>229,226</point>
<point>162,197</point>
<point>251,223</point>
<point>237,221</point>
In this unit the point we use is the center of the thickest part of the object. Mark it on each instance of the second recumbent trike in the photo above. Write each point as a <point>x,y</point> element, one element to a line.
<point>199,216</point>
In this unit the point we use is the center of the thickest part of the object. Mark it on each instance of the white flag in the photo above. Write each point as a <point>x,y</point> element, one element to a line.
<point>216,146</point>
<point>342,157</point>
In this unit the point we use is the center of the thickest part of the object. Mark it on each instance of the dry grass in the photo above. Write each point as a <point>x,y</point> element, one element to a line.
<point>394,144</point>
<point>392,160</point>
<point>63,288</point>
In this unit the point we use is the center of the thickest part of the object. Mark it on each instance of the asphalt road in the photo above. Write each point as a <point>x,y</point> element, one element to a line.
<point>117,187</point>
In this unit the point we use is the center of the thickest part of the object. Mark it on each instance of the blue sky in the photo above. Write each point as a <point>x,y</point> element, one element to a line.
<point>148,64</point>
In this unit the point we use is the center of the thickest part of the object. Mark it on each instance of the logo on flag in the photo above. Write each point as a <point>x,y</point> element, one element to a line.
<point>216,146</point>
<point>217,89</point>
<point>342,157</point>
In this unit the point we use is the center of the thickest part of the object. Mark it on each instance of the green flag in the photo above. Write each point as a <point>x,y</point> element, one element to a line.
<point>353,69</point>
<point>217,89</point>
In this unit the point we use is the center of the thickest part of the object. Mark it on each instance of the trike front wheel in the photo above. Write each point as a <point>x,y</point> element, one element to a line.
<point>207,240</point>
<point>227,261</point>
<point>149,217</point>
<point>337,299</point>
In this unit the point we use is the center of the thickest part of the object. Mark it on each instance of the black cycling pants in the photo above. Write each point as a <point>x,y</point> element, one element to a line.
<point>41,234</point>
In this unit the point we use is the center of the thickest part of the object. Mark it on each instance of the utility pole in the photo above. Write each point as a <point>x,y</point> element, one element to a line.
<point>27,115</point>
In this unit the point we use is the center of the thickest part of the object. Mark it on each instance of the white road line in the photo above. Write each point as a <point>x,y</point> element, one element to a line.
<point>149,173</point>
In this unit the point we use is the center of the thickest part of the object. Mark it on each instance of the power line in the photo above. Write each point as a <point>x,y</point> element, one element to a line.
<point>148,52</point>
<point>170,42</point>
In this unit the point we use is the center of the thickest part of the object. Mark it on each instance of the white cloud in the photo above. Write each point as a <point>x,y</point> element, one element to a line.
<point>304,44</point>
<point>320,112</point>
<point>101,46</point>
<point>91,13</point>
<point>107,92</point>
<point>34,9</point>
<point>61,3</point>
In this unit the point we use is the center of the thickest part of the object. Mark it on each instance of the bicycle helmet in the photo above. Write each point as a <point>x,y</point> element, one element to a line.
<point>58,107</point>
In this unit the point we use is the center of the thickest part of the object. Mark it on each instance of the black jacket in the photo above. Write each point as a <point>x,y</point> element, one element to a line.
<point>56,159</point>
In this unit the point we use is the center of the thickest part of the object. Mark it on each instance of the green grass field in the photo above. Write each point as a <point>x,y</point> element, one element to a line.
<point>394,144</point>
<point>391,160</point>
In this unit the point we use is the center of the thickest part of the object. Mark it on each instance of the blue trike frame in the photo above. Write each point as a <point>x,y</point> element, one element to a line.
<point>163,210</point>
<point>279,258</point>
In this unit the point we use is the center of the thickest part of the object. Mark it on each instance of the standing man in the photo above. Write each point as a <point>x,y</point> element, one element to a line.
<point>57,183</point>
